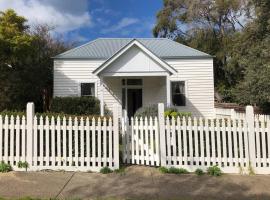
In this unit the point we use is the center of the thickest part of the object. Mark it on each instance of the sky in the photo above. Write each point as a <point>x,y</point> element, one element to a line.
<point>84,20</point>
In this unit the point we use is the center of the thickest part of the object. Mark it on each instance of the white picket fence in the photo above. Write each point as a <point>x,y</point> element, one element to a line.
<point>235,145</point>
<point>60,144</point>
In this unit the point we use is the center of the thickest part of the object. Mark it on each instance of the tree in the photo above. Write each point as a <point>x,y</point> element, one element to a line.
<point>26,66</point>
<point>253,45</point>
<point>208,26</point>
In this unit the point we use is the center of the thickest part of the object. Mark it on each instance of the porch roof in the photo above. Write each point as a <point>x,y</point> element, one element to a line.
<point>134,59</point>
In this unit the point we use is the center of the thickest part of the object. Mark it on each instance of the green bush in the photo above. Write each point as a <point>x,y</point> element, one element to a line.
<point>214,171</point>
<point>163,170</point>
<point>105,170</point>
<point>76,105</point>
<point>199,172</point>
<point>148,111</point>
<point>24,165</point>
<point>4,167</point>
<point>174,170</point>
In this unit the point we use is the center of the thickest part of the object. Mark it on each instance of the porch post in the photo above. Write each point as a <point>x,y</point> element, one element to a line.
<point>168,90</point>
<point>101,97</point>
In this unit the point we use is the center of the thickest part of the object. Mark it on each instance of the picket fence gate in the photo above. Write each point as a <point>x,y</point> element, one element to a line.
<point>59,144</point>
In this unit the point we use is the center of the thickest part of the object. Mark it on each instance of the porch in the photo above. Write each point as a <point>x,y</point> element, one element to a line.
<point>132,93</point>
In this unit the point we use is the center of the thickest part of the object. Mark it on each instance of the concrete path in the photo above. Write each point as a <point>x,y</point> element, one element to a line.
<point>136,183</point>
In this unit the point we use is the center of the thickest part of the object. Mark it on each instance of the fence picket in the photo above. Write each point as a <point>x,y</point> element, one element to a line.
<point>11,151</point>
<point>207,145</point>
<point>64,145</point>
<point>18,137</point>
<point>47,140</point>
<point>41,133</point>
<point>58,139</point>
<point>6,127</point>
<point>87,142</point>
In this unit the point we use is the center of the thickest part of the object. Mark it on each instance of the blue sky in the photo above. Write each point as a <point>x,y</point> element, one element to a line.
<point>84,20</point>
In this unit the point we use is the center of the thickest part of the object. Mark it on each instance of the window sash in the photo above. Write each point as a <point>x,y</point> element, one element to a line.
<point>88,91</point>
<point>178,93</point>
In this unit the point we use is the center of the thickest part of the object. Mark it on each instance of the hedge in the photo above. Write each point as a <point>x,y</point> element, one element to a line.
<point>76,105</point>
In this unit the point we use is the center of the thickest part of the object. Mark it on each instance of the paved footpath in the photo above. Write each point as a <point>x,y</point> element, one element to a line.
<point>136,183</point>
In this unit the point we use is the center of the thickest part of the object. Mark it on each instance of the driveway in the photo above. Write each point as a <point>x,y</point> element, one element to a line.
<point>136,182</point>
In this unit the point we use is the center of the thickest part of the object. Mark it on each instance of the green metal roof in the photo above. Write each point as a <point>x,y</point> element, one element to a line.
<point>104,48</point>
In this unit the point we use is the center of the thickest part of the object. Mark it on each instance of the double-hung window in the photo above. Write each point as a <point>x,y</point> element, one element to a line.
<point>178,93</point>
<point>87,89</point>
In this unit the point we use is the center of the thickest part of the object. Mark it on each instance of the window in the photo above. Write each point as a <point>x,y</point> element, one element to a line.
<point>131,81</point>
<point>178,93</point>
<point>87,89</point>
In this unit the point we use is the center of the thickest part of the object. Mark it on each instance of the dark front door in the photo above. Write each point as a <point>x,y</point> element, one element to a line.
<point>134,101</point>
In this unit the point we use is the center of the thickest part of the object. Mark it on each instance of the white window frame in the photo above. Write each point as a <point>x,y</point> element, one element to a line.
<point>79,88</point>
<point>186,92</point>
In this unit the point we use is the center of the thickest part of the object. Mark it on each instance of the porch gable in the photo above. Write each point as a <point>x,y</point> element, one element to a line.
<point>134,59</point>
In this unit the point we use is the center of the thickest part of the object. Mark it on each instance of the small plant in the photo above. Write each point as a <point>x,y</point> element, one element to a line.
<point>105,170</point>
<point>250,170</point>
<point>174,170</point>
<point>214,171</point>
<point>4,167</point>
<point>120,171</point>
<point>163,170</point>
<point>24,165</point>
<point>199,172</point>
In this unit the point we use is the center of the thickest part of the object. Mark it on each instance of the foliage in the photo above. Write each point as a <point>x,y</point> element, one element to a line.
<point>199,172</point>
<point>148,111</point>
<point>174,113</point>
<point>163,170</point>
<point>105,170</point>
<point>76,105</point>
<point>214,171</point>
<point>121,170</point>
<point>174,170</point>
<point>24,165</point>
<point>205,25</point>
<point>25,62</point>
<point>4,167</point>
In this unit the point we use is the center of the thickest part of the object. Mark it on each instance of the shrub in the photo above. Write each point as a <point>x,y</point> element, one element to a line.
<point>174,114</point>
<point>199,172</point>
<point>163,170</point>
<point>148,111</point>
<point>105,170</point>
<point>4,167</point>
<point>214,171</point>
<point>76,105</point>
<point>174,170</point>
<point>23,165</point>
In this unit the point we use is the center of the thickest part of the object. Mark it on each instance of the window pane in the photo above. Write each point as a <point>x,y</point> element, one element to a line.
<point>87,89</point>
<point>178,93</point>
<point>134,81</point>
<point>124,98</point>
<point>123,82</point>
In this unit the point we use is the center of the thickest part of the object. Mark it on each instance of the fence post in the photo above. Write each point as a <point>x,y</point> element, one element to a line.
<point>30,112</point>
<point>116,135</point>
<point>251,136</point>
<point>161,122</point>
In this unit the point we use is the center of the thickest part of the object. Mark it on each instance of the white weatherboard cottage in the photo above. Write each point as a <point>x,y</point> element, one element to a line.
<point>138,72</point>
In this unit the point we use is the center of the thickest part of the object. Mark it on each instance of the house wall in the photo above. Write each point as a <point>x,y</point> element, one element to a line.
<point>199,77</point>
<point>198,74</point>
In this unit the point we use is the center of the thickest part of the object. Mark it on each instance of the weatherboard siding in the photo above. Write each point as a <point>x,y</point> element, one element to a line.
<point>198,74</point>
<point>199,77</point>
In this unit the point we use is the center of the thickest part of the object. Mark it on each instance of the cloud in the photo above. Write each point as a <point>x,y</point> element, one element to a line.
<point>64,15</point>
<point>123,23</point>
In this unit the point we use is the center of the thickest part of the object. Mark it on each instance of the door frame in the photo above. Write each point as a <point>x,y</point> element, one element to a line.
<point>126,87</point>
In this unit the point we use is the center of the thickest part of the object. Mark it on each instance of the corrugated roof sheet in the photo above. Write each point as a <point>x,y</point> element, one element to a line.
<point>104,48</point>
